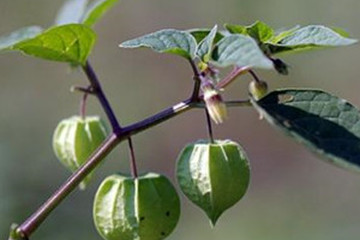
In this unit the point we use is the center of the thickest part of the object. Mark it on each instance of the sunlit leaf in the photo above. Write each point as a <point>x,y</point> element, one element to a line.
<point>239,50</point>
<point>96,10</point>
<point>67,43</point>
<point>166,41</point>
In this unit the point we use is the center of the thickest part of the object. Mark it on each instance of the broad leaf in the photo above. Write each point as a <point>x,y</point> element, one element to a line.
<point>7,42</point>
<point>96,10</point>
<point>324,123</point>
<point>67,43</point>
<point>308,37</point>
<point>200,33</point>
<point>71,12</point>
<point>166,41</point>
<point>239,50</point>
<point>259,31</point>
<point>206,45</point>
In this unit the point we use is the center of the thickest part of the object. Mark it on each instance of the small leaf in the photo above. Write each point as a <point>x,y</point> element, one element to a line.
<point>71,12</point>
<point>205,46</point>
<point>236,29</point>
<point>259,31</point>
<point>96,10</point>
<point>200,33</point>
<point>7,42</point>
<point>313,36</point>
<point>281,34</point>
<point>326,124</point>
<point>341,32</point>
<point>316,35</point>
<point>166,41</point>
<point>67,43</point>
<point>240,50</point>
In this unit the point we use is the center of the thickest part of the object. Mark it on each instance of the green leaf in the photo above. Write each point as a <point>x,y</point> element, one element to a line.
<point>206,45</point>
<point>200,33</point>
<point>96,10</point>
<point>239,50</point>
<point>281,34</point>
<point>326,124</point>
<point>259,31</point>
<point>313,36</point>
<point>166,41</point>
<point>71,12</point>
<point>6,42</point>
<point>316,35</point>
<point>70,43</point>
<point>236,29</point>
<point>341,32</point>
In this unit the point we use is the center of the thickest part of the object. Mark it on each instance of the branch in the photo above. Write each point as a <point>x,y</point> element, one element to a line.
<point>118,135</point>
<point>34,221</point>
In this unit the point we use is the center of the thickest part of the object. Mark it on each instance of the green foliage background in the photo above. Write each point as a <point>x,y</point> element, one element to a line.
<point>292,194</point>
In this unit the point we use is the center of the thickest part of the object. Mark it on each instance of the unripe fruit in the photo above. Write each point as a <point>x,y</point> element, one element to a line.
<point>258,89</point>
<point>75,139</point>
<point>214,176</point>
<point>144,208</point>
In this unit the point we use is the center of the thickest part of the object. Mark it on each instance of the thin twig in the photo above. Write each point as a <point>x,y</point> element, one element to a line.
<point>95,84</point>
<point>237,71</point>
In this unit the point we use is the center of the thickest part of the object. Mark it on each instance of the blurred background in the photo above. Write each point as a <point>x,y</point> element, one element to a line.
<point>293,195</point>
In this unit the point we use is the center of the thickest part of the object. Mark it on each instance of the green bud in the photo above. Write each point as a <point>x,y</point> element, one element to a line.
<point>75,139</point>
<point>258,89</point>
<point>144,208</point>
<point>214,176</point>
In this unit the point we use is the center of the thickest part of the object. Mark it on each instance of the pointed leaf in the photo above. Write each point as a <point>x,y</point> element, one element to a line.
<point>166,41</point>
<point>206,45</point>
<point>240,50</point>
<point>313,36</point>
<point>259,31</point>
<point>200,33</point>
<point>67,43</point>
<point>326,124</point>
<point>96,10</point>
<point>71,12</point>
<point>281,34</point>
<point>236,29</point>
<point>6,42</point>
